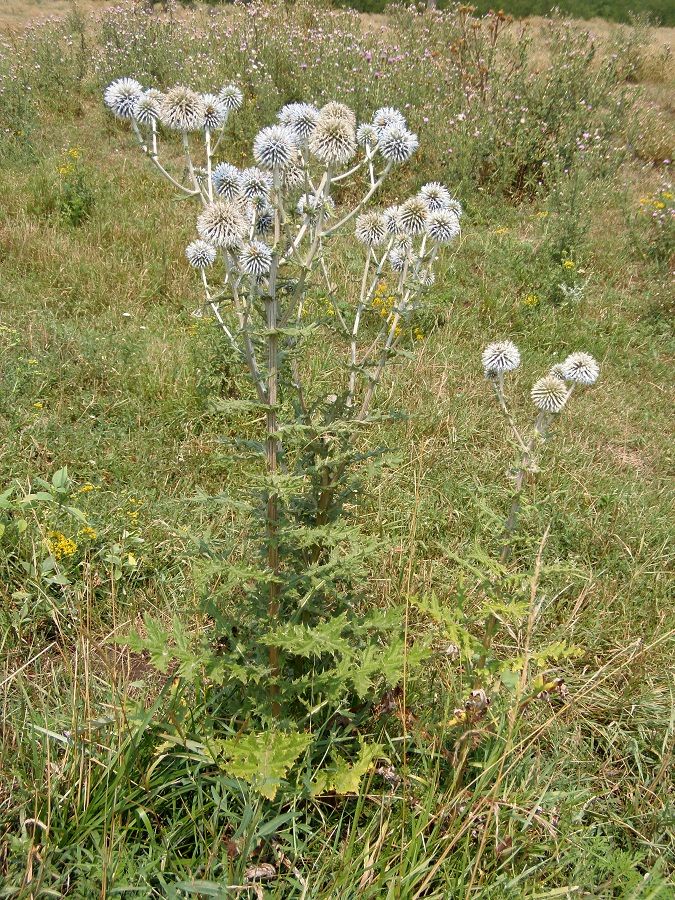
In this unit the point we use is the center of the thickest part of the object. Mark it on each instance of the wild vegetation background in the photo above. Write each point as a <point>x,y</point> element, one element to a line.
<point>558,141</point>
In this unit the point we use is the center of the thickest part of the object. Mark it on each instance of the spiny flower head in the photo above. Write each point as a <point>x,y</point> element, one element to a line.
<point>231,97</point>
<point>121,96</point>
<point>397,144</point>
<point>387,116</point>
<point>399,258</point>
<point>310,205</point>
<point>182,109</point>
<point>426,277</point>
<point>335,110</point>
<point>443,226</point>
<point>558,371</point>
<point>403,241</point>
<point>293,177</point>
<point>371,229</point>
<point>456,207</point>
<point>301,118</point>
<point>264,221</point>
<point>255,259</point>
<point>255,183</point>
<point>274,147</point>
<point>581,368</point>
<point>549,394</point>
<point>227,180</point>
<point>146,108</point>
<point>366,134</point>
<point>215,111</point>
<point>200,255</point>
<point>223,224</point>
<point>435,195</point>
<point>392,219</point>
<point>414,216</point>
<point>500,357</point>
<point>333,141</point>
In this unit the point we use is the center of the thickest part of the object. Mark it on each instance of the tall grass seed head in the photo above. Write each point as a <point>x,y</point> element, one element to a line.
<point>200,254</point>
<point>227,180</point>
<point>435,195</point>
<point>414,216</point>
<point>182,109</point>
<point>223,224</point>
<point>274,147</point>
<point>215,111</point>
<point>231,97</point>
<point>500,357</point>
<point>549,394</point>
<point>371,229</point>
<point>333,141</point>
<point>581,368</point>
<point>121,97</point>
<point>397,144</point>
<point>255,259</point>
<point>443,226</point>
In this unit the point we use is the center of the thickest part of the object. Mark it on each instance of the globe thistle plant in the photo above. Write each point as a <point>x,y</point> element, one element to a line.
<point>549,395</point>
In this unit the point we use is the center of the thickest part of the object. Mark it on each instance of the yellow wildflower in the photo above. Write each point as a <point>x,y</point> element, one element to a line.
<point>32,361</point>
<point>542,214</point>
<point>60,546</point>
<point>568,264</point>
<point>659,204</point>
<point>86,487</point>
<point>667,195</point>
<point>531,300</point>
<point>501,230</point>
<point>38,404</point>
<point>87,532</point>
<point>65,169</point>
<point>74,152</point>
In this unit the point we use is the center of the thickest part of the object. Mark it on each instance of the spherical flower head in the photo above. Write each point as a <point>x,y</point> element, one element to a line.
<point>215,111</point>
<point>301,118</point>
<point>386,117</point>
<point>255,259</point>
<point>264,221</point>
<point>231,97</point>
<point>456,207</point>
<point>335,110</point>
<point>182,109</point>
<point>226,180</point>
<point>443,226</point>
<point>414,216</point>
<point>398,259</point>
<point>310,205</point>
<point>200,254</point>
<point>403,241</point>
<point>426,278</point>
<point>397,144</point>
<point>366,135</point>
<point>121,96</point>
<point>549,394</point>
<point>333,141</point>
<point>255,183</point>
<point>500,357</point>
<point>223,224</point>
<point>558,371</point>
<point>146,108</point>
<point>274,147</point>
<point>293,177</point>
<point>435,195</point>
<point>581,368</point>
<point>371,229</point>
<point>392,219</point>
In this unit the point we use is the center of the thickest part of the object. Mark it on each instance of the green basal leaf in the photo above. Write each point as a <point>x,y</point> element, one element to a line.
<point>262,760</point>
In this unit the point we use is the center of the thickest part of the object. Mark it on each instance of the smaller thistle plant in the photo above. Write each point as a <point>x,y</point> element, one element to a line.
<point>550,395</point>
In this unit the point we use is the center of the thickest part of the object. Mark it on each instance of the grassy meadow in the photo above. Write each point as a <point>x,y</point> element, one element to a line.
<point>557,138</point>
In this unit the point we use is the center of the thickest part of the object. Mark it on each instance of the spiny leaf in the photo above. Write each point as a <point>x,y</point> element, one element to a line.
<point>262,760</point>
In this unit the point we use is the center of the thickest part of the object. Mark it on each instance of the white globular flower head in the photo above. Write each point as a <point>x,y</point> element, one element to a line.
<point>443,226</point>
<point>223,224</point>
<point>227,180</point>
<point>231,97</point>
<point>264,221</point>
<point>581,368</point>
<point>200,254</point>
<point>403,241</point>
<point>293,177</point>
<point>456,207</point>
<point>500,357</point>
<point>255,259</point>
<point>397,144</point>
<point>426,277</point>
<point>146,108</point>
<point>371,229</point>
<point>274,147</point>
<point>414,216</point>
<point>333,141</point>
<point>335,110</point>
<point>398,259</point>
<point>435,195</point>
<point>386,117</point>
<point>558,371</point>
<point>366,135</point>
<point>392,219</point>
<point>182,109</point>
<point>301,118</point>
<point>121,97</point>
<point>215,111</point>
<point>255,183</point>
<point>549,394</point>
